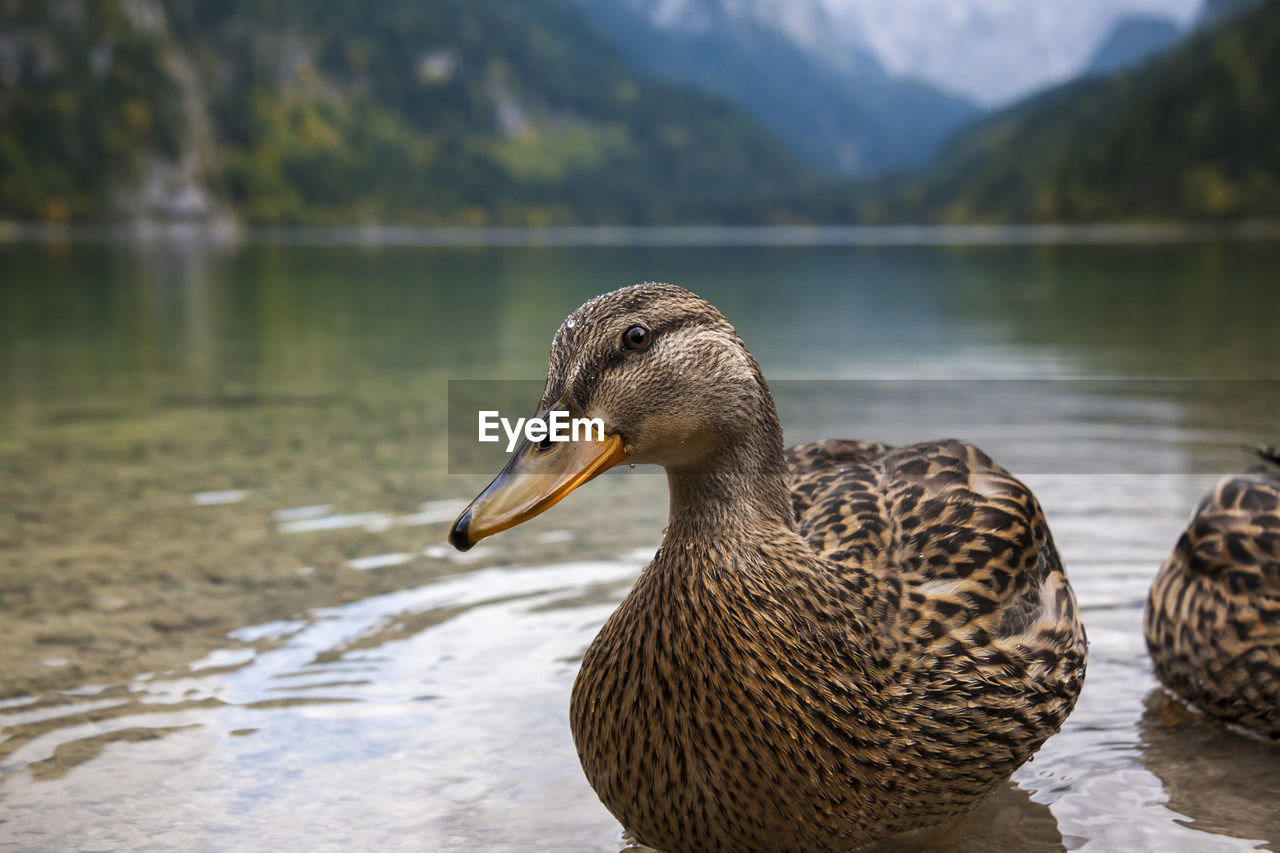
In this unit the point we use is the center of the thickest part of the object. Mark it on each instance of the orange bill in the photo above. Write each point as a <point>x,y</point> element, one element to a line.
<point>536,479</point>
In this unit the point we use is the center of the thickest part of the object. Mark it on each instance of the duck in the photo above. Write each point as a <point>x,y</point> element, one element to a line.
<point>835,643</point>
<point>1212,615</point>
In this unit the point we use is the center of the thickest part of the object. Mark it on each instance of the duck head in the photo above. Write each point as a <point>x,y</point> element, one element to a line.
<point>665,373</point>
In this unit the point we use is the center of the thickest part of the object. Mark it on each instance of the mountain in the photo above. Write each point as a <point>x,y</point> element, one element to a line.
<point>1215,11</point>
<point>813,85</point>
<point>472,111</point>
<point>85,100</point>
<point>994,52</point>
<point>1132,39</point>
<point>1193,133</point>
<point>494,112</point>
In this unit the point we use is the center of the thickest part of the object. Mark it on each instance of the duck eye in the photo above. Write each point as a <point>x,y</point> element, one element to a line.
<point>637,337</point>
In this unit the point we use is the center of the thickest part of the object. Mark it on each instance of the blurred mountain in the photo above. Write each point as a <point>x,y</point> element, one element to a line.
<point>994,52</point>
<point>1132,39</point>
<point>498,112</point>
<point>473,111</point>
<point>1214,11</point>
<point>86,100</point>
<point>789,65</point>
<point>1193,133</point>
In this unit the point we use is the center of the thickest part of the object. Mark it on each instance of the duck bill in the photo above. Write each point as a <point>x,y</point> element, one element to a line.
<point>533,481</point>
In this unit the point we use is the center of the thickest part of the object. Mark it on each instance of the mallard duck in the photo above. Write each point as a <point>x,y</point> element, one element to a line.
<point>834,643</point>
<point>1212,619</point>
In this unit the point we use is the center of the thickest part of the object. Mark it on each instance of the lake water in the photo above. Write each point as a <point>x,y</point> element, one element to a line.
<point>259,432</point>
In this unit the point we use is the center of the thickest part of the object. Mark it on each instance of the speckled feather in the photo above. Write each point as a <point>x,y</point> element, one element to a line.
<point>1212,618</point>
<point>834,643</point>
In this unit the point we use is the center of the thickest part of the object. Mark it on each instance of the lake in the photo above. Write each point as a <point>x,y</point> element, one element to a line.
<point>230,620</point>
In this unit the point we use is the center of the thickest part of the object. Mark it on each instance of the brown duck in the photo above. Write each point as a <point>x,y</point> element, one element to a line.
<point>1213,613</point>
<point>835,643</point>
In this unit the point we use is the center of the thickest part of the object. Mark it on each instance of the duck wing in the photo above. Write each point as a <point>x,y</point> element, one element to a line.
<point>964,540</point>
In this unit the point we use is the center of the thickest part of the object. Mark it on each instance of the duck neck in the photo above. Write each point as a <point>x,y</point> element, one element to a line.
<point>738,493</point>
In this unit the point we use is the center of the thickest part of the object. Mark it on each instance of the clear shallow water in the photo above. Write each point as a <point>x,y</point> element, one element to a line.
<point>435,716</point>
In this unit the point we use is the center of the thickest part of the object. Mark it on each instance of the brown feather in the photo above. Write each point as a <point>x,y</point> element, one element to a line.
<point>834,643</point>
<point>1212,619</point>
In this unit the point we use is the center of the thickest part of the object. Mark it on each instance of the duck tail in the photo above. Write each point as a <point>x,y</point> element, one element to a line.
<point>1269,452</point>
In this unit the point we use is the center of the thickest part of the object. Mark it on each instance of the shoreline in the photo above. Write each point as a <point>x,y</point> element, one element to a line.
<point>227,233</point>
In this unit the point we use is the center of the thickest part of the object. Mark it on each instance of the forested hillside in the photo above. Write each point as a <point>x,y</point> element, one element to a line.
<point>476,111</point>
<point>1132,39</point>
<point>835,107</point>
<point>85,101</point>
<point>1191,134</point>
<point>496,112</point>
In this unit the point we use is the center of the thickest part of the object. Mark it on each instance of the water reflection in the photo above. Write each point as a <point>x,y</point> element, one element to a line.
<point>435,718</point>
<point>432,718</point>
<point>311,317</point>
<point>1217,781</point>
<point>195,440</point>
